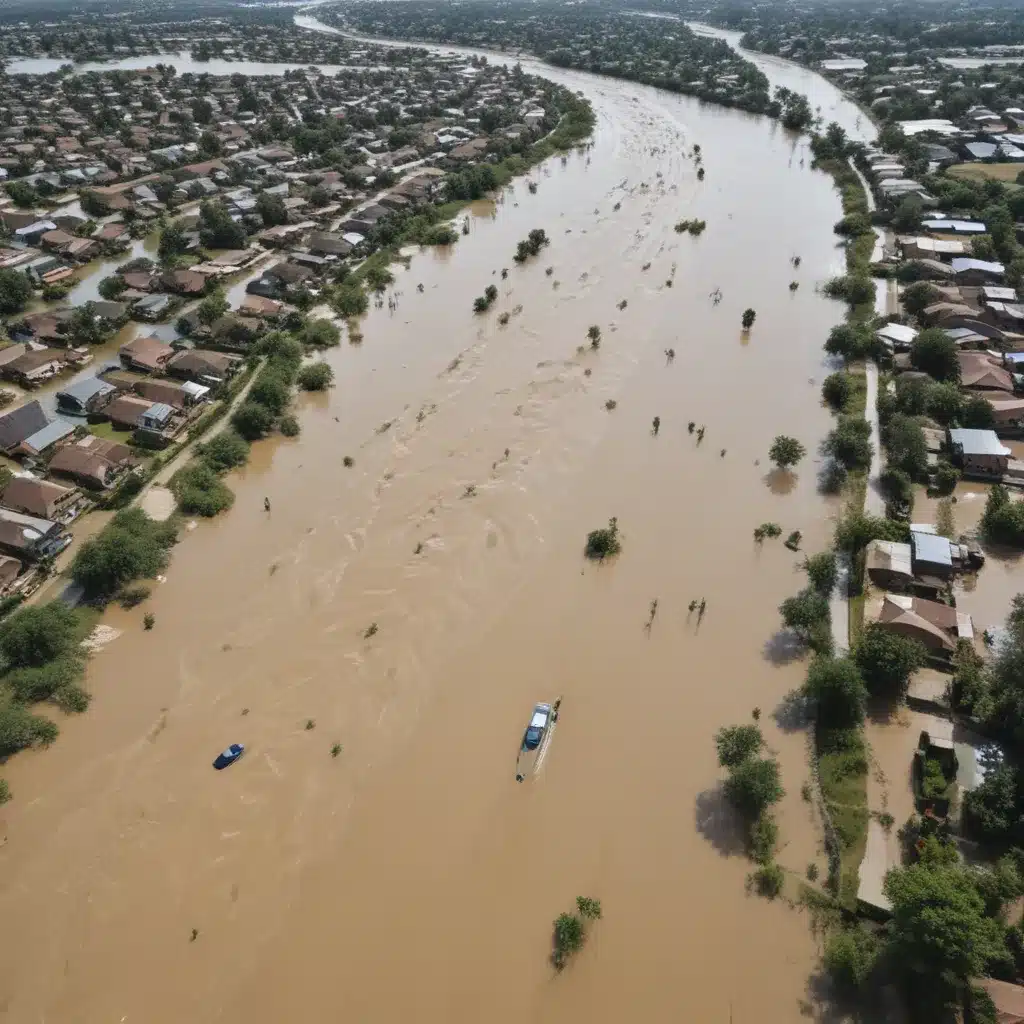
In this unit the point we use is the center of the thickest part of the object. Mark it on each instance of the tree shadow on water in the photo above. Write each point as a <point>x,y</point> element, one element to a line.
<point>783,647</point>
<point>780,481</point>
<point>792,713</point>
<point>718,823</point>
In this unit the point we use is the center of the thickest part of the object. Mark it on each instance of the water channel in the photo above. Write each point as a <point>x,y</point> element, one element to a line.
<point>411,877</point>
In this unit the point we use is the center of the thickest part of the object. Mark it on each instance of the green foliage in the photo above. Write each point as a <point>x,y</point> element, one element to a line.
<point>992,811</point>
<point>806,613</point>
<point>321,334</point>
<point>887,660</point>
<point>822,572</point>
<point>588,908</point>
<point>130,597</point>
<point>1003,518</point>
<point>906,446</point>
<point>289,426</point>
<point>131,546</point>
<point>918,296</point>
<point>224,451</point>
<point>5,792</point>
<point>15,291</point>
<point>568,938</point>
<point>212,308</point>
<point>252,420</point>
<point>350,300</point>
<point>977,413</point>
<point>216,228</point>
<point>767,530</point>
<point>111,287</point>
<point>856,530</point>
<point>939,929</point>
<point>748,318</point>
<point>837,389</point>
<point>736,743</point>
<point>855,289</point>
<point>172,242</point>
<point>768,880</point>
<point>200,491</point>
<point>763,839</point>
<point>836,686</point>
<point>20,728</point>
<point>753,785</point>
<point>935,352</point>
<point>531,245</point>
<point>38,634</point>
<point>786,451</point>
<point>850,957</point>
<point>853,341</point>
<point>604,542</point>
<point>272,209</point>
<point>849,443</point>
<point>315,377</point>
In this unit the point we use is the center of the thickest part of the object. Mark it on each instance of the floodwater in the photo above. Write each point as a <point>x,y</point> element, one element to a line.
<point>410,877</point>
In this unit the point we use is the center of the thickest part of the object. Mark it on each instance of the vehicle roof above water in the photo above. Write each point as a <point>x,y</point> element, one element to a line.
<point>540,717</point>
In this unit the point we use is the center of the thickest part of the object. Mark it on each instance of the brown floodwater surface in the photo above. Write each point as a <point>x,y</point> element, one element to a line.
<point>411,877</point>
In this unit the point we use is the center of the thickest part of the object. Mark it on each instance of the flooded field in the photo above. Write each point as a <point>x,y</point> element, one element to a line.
<point>410,878</point>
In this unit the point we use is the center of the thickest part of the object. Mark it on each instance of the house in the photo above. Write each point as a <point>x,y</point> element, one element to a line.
<point>41,498</point>
<point>931,555</point>
<point>326,244</point>
<point>164,391</point>
<point>20,423</point>
<point>152,307</point>
<point>10,569</point>
<point>125,411</point>
<point>889,564</point>
<point>979,453</point>
<point>980,373</point>
<point>203,366</point>
<point>29,537</point>
<point>35,366</point>
<point>1007,413</point>
<point>183,282</point>
<point>896,337</point>
<point>156,418</point>
<point>259,305</point>
<point>936,626</point>
<point>1008,999</point>
<point>85,396</point>
<point>979,272</point>
<point>931,248</point>
<point>42,440</point>
<point>145,354</point>
<point>93,461</point>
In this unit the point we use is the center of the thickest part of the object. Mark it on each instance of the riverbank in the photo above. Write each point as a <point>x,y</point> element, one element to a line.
<point>468,561</point>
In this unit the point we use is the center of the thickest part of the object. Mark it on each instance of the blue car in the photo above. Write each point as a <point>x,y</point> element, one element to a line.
<point>229,756</point>
<point>538,727</point>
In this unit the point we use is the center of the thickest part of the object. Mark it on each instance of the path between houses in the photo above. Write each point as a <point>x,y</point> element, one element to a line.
<point>874,503</point>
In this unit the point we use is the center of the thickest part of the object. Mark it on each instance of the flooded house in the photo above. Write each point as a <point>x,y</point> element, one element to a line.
<point>85,397</point>
<point>20,423</point>
<point>936,626</point>
<point>42,498</point>
<point>44,439</point>
<point>979,453</point>
<point>30,538</point>
<point>92,461</point>
<point>203,366</point>
<point>147,355</point>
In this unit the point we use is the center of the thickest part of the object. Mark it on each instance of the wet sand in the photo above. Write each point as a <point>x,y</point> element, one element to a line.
<point>411,877</point>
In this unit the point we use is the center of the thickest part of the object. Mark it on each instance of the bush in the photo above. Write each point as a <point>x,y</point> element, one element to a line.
<point>837,389</point>
<point>252,420</point>
<point>887,660</point>
<point>768,880</point>
<point>271,390</point>
<point>226,450</point>
<point>855,289</point>
<point>131,546</point>
<point>19,728</point>
<point>604,542</point>
<point>736,743</point>
<point>200,491</point>
<point>805,613</point>
<point>1003,518</point>
<point>72,699</point>
<point>130,597</point>
<point>849,958</point>
<point>786,451</point>
<point>753,786</point>
<point>763,838</point>
<point>321,334</point>
<point>835,685</point>
<point>315,377</point>
<point>31,685</point>
<point>568,937</point>
<point>977,413</point>
<point>39,634</point>
<point>5,792</point>
<point>849,443</point>
<point>857,529</point>
<point>290,426</point>
<point>905,443</point>
<point>918,296</point>
<point>853,341</point>
<point>822,572</point>
<point>935,352</point>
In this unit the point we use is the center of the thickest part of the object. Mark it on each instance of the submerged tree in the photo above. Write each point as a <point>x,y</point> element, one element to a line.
<point>786,451</point>
<point>603,543</point>
<point>749,316</point>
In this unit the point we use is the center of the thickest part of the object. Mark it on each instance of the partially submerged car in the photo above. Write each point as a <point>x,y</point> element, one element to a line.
<point>229,756</point>
<point>538,727</point>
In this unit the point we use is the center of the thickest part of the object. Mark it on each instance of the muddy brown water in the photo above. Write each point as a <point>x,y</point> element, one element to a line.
<point>411,877</point>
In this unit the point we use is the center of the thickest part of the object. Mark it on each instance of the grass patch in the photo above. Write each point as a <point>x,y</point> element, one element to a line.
<point>844,784</point>
<point>1006,173</point>
<point>108,433</point>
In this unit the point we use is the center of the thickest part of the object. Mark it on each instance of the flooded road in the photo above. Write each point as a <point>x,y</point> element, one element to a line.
<point>410,877</point>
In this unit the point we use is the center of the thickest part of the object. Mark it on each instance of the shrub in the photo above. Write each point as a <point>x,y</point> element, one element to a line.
<point>321,334</point>
<point>252,420</point>
<point>735,743</point>
<point>604,542</point>
<point>129,597</point>
<point>568,936</point>
<point>200,491</point>
<point>131,546</point>
<point>835,685</point>
<point>887,660</point>
<point>763,838</point>
<point>805,613</point>
<point>849,958</point>
<point>271,390</point>
<point>977,413</point>
<point>1003,518</point>
<point>19,728</point>
<point>42,682</point>
<point>315,377</point>
<point>768,880</point>
<point>71,699</point>
<point>905,442</point>
<point>226,450</point>
<point>290,426</point>
<point>822,572</point>
<point>36,635</point>
<point>849,443</point>
<point>786,451</point>
<point>753,786</point>
<point>5,792</point>
<point>748,318</point>
<point>837,389</point>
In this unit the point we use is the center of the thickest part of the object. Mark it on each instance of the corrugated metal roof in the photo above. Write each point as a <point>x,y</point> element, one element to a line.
<point>50,434</point>
<point>978,442</point>
<point>930,548</point>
